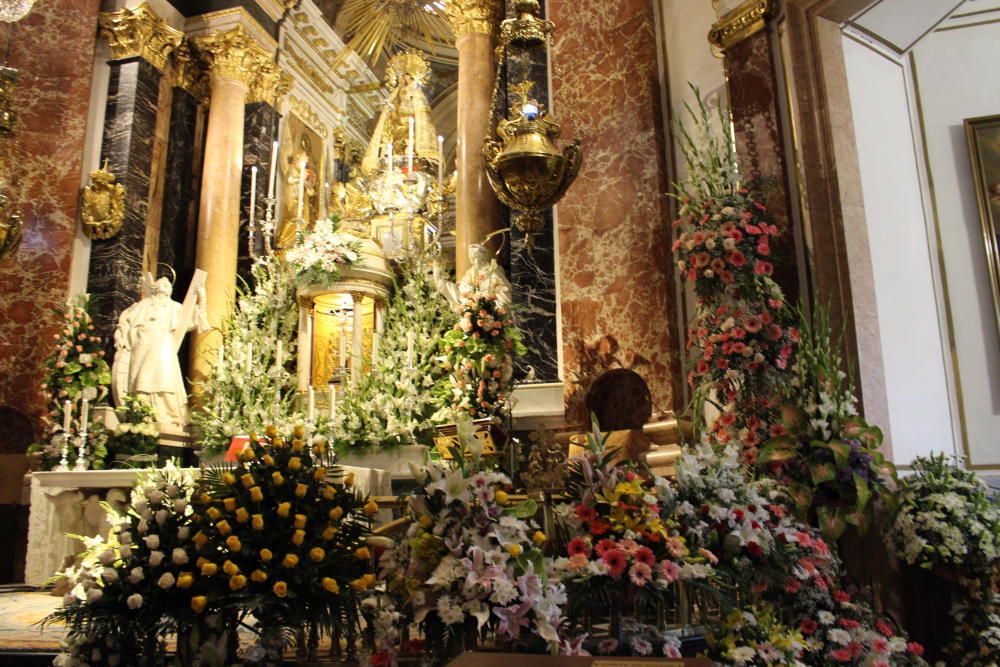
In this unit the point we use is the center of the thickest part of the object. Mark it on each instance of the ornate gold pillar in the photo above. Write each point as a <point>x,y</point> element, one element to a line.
<point>234,61</point>
<point>477,211</point>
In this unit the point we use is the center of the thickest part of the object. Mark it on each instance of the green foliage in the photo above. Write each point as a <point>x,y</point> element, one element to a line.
<point>135,438</point>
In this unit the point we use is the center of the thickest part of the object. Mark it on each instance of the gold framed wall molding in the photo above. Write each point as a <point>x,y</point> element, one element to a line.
<point>983,136</point>
<point>740,23</point>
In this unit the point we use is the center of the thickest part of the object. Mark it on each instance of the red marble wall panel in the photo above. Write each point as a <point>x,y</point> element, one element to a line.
<point>53,47</point>
<point>753,93</point>
<point>615,273</point>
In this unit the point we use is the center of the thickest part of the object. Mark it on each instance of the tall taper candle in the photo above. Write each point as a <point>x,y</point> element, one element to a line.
<point>84,414</point>
<point>67,416</point>
<point>441,164</point>
<point>302,188</point>
<point>410,340</point>
<point>273,175</point>
<point>376,341</point>
<point>278,356</point>
<point>253,195</point>
<point>333,400</point>
<point>343,342</point>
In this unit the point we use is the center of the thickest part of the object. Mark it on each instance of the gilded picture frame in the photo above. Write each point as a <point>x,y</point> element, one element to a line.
<point>983,135</point>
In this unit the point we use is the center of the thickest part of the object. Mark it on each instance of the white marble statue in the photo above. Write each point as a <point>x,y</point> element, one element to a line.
<point>484,275</point>
<point>146,343</point>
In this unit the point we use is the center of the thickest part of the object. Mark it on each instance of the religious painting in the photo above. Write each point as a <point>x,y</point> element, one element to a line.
<point>984,148</point>
<point>300,145</point>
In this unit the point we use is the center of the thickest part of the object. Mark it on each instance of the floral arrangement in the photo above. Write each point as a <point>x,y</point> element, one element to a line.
<point>945,517</point>
<point>134,439</point>
<point>479,352</point>
<point>770,558</point>
<point>471,566</point>
<point>283,533</point>
<point>396,403</point>
<point>756,637</point>
<point>620,551</point>
<point>76,370</point>
<point>829,461</point>
<point>320,255</point>
<point>251,387</point>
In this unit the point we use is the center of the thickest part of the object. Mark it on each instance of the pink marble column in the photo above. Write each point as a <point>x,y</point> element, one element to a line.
<point>615,275</point>
<point>53,47</point>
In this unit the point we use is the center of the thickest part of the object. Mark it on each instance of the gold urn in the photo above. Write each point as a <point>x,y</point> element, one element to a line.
<point>526,169</point>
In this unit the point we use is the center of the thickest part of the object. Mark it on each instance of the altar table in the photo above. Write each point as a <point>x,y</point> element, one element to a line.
<point>69,503</point>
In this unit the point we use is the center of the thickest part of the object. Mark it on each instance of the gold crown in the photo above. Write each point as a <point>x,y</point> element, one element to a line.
<point>409,62</point>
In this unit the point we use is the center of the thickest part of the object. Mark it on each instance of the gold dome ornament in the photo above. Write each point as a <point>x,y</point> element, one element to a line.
<point>103,210</point>
<point>526,169</point>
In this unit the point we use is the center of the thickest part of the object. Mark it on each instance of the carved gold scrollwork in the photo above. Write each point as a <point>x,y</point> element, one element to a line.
<point>140,32</point>
<point>235,55</point>
<point>469,17</point>
<point>103,210</point>
<point>735,26</point>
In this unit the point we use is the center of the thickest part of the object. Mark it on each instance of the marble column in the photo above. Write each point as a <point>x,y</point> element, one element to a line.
<point>233,60</point>
<point>532,273</point>
<point>260,118</point>
<point>478,211</point>
<point>140,43</point>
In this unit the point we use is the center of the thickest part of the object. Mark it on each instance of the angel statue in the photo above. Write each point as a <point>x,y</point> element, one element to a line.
<point>484,276</point>
<point>147,339</point>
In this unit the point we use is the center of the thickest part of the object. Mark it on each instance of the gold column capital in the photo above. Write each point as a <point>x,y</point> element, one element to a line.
<point>189,72</point>
<point>271,85</point>
<point>736,25</point>
<point>234,54</point>
<point>469,17</point>
<point>139,32</point>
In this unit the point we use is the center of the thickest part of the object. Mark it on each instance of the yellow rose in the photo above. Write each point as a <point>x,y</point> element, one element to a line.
<point>298,430</point>
<point>223,527</point>
<point>301,489</point>
<point>271,431</point>
<point>237,582</point>
<point>230,568</point>
<point>369,580</point>
<point>502,498</point>
<point>515,550</point>
<point>298,537</point>
<point>266,555</point>
<point>349,480</point>
<point>317,554</point>
<point>319,446</point>
<point>209,569</point>
<point>284,509</point>
<point>200,539</point>
<point>185,580</point>
<point>295,463</point>
<point>300,520</point>
<point>336,513</point>
<point>359,585</point>
<point>256,494</point>
<point>539,538</point>
<point>279,443</point>
<point>257,521</point>
<point>242,515</point>
<point>233,543</point>
<point>329,533</point>
<point>371,508</point>
<point>329,492</point>
<point>213,513</point>
<point>290,561</point>
<point>198,603</point>
<point>331,585</point>
<point>229,478</point>
<point>319,474</point>
<point>267,459</point>
<point>248,453</point>
<point>297,445</point>
<point>201,561</point>
<point>277,478</point>
<point>258,576</point>
<point>280,589</point>
<point>363,554</point>
<point>229,504</point>
<point>248,480</point>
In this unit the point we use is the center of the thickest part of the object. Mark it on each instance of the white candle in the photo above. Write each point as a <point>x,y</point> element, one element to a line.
<point>278,357</point>
<point>302,188</point>
<point>333,401</point>
<point>410,340</point>
<point>67,415</point>
<point>376,341</point>
<point>343,342</point>
<point>409,148</point>
<point>253,194</point>
<point>84,414</point>
<point>441,164</point>
<point>312,404</point>
<point>273,175</point>
<point>333,160</point>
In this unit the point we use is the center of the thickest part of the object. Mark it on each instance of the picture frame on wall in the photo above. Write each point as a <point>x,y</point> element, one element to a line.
<point>983,135</point>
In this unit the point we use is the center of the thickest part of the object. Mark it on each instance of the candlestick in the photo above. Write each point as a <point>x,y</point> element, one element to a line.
<point>67,416</point>
<point>410,341</point>
<point>312,405</point>
<point>333,401</point>
<point>441,164</point>
<point>81,452</point>
<point>409,148</point>
<point>273,174</point>
<point>302,188</point>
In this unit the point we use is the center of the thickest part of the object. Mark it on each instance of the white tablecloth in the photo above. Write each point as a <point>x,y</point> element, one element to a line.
<point>67,502</point>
